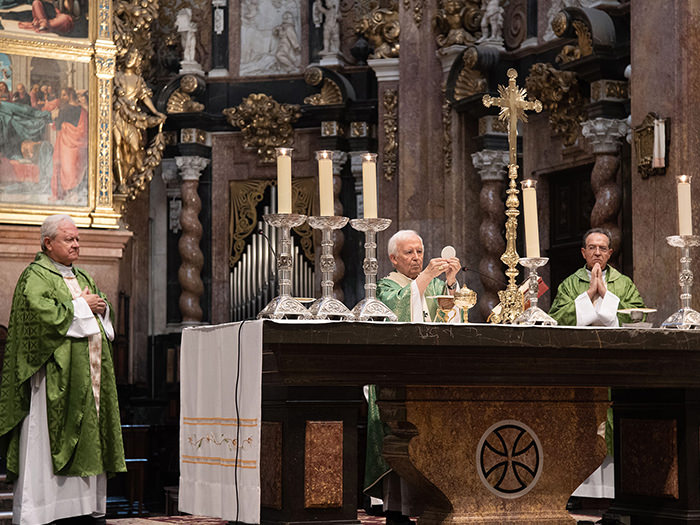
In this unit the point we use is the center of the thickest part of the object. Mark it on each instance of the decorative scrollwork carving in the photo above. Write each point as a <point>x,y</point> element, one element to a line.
<point>470,81</point>
<point>454,23</point>
<point>245,196</point>
<point>390,100</point>
<point>381,29</point>
<point>585,38</point>
<point>330,91</point>
<point>515,30</point>
<point>266,124</point>
<point>561,96</point>
<point>303,191</point>
<point>132,26</point>
<point>568,54</point>
<point>563,25</point>
<point>180,102</point>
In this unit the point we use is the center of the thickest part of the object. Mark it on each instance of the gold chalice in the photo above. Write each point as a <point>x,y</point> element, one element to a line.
<point>464,299</point>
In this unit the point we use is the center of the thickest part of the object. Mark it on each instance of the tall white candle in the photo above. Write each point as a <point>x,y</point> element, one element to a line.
<point>325,181</point>
<point>532,234</point>
<point>685,214</point>
<point>369,185</point>
<point>284,180</point>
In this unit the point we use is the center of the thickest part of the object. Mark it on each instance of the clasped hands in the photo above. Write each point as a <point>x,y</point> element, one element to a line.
<point>597,287</point>
<point>95,302</point>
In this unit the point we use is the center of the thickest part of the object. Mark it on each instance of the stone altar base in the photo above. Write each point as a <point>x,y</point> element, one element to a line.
<point>308,455</point>
<point>484,455</point>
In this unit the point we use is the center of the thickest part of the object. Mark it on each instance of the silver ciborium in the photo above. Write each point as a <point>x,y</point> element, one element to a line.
<point>284,306</point>
<point>328,307</point>
<point>370,308</point>
<point>534,315</point>
<point>686,317</point>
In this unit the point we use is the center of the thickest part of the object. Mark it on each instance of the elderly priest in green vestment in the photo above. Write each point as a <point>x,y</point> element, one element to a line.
<point>594,294</point>
<point>407,292</point>
<point>59,417</point>
<point>407,289</point>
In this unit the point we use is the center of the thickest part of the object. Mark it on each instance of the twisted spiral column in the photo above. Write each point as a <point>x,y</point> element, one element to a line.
<point>605,136</point>
<point>192,259</point>
<point>491,165</point>
<point>339,160</point>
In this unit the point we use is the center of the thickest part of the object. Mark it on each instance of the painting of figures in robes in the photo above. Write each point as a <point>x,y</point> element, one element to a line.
<point>44,132</point>
<point>270,37</point>
<point>45,18</point>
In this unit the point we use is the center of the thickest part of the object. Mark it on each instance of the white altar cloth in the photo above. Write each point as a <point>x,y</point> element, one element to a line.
<point>219,431</point>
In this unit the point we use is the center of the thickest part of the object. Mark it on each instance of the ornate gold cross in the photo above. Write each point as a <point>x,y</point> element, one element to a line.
<point>513,104</point>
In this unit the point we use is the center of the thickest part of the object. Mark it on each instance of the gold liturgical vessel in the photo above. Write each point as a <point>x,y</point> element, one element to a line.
<point>465,298</point>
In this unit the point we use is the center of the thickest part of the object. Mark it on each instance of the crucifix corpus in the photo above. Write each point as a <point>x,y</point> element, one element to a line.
<point>513,104</point>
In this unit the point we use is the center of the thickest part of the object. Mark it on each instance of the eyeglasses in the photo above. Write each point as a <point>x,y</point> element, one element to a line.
<point>593,247</point>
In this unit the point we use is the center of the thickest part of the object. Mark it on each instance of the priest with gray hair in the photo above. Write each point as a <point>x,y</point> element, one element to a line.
<point>59,418</point>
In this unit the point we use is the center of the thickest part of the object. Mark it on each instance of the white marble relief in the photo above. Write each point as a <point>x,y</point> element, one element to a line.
<point>270,37</point>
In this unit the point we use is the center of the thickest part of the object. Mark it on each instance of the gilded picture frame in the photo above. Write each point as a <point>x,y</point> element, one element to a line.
<point>56,128</point>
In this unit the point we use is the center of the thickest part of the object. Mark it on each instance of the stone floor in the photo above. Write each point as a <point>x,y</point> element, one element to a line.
<point>582,517</point>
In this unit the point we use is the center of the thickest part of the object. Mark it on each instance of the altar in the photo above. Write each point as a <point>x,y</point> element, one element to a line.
<point>493,424</point>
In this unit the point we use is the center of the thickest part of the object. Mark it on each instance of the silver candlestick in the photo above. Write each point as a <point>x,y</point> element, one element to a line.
<point>534,315</point>
<point>370,308</point>
<point>284,306</point>
<point>328,307</point>
<point>686,317</point>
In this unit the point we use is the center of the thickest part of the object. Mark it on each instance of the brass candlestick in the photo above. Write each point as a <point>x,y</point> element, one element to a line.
<point>534,315</point>
<point>513,104</point>
<point>686,317</point>
<point>328,307</point>
<point>284,306</point>
<point>370,308</point>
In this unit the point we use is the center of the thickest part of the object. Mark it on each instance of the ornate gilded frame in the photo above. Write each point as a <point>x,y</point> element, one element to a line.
<point>98,53</point>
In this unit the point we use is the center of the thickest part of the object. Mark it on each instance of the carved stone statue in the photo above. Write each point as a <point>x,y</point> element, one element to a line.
<point>329,16</point>
<point>491,22</point>
<point>288,53</point>
<point>188,32</point>
<point>134,113</point>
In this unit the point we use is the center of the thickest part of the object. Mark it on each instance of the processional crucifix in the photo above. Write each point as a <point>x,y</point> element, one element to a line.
<point>513,104</point>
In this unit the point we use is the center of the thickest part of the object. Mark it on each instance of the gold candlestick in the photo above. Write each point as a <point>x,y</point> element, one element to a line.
<point>513,104</point>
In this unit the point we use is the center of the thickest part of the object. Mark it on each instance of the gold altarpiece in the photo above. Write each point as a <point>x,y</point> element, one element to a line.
<point>41,172</point>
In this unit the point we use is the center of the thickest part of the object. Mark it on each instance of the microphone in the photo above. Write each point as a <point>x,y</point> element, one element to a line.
<point>269,243</point>
<point>465,269</point>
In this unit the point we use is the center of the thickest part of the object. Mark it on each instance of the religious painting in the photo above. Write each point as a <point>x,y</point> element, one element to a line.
<point>44,133</point>
<point>55,132</point>
<point>270,37</point>
<point>45,18</point>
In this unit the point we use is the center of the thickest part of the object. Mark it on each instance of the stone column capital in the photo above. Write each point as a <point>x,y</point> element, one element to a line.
<point>604,134</point>
<point>339,160</point>
<point>191,167</point>
<point>491,164</point>
<point>386,69</point>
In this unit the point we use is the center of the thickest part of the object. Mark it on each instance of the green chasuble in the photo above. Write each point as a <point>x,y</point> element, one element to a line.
<point>397,296</point>
<point>395,292</point>
<point>82,444</point>
<point>563,308</point>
